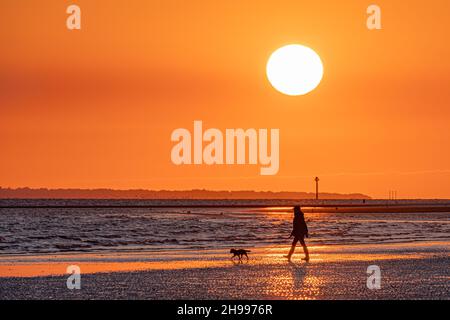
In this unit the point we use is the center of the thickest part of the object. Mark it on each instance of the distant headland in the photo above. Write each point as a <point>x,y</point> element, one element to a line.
<point>44,193</point>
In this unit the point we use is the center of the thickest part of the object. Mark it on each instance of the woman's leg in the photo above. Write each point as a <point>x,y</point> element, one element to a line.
<point>291,252</point>
<point>305,248</point>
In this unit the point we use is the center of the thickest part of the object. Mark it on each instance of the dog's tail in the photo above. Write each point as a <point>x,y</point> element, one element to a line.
<point>248,251</point>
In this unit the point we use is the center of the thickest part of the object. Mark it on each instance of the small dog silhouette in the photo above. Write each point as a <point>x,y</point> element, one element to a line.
<point>239,253</point>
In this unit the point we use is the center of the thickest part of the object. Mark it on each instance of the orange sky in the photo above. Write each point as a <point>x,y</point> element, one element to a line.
<point>96,107</point>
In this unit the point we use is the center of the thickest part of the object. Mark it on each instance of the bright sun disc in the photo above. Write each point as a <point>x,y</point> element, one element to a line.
<point>294,70</point>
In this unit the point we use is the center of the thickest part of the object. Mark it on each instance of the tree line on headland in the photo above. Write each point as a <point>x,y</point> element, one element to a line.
<point>44,193</point>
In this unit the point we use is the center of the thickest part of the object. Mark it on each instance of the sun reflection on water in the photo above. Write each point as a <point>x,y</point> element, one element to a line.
<point>295,282</point>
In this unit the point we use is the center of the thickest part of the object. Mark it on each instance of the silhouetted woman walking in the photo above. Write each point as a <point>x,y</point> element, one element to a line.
<point>299,232</point>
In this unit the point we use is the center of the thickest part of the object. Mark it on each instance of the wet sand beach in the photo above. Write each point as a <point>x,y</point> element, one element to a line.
<point>408,271</point>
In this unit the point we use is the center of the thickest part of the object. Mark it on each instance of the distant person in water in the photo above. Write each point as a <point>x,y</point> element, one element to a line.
<point>299,232</point>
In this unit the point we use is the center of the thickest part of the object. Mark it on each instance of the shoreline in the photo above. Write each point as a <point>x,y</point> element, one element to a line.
<point>55,264</point>
<point>212,202</point>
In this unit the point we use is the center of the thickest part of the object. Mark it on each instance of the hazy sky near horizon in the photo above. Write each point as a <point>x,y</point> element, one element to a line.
<point>96,107</point>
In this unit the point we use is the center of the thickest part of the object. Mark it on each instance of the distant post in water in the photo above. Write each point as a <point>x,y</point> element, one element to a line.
<point>317,187</point>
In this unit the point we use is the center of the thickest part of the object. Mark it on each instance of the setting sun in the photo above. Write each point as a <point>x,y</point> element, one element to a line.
<point>294,70</point>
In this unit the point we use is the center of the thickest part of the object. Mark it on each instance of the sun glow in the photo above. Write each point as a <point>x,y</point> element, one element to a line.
<point>294,70</point>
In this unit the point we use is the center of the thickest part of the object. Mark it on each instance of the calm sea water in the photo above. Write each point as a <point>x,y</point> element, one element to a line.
<point>64,229</point>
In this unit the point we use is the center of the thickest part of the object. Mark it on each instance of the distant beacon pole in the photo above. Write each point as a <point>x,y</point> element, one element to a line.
<point>317,187</point>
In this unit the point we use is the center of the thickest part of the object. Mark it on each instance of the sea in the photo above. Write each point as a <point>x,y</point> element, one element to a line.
<point>58,226</point>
